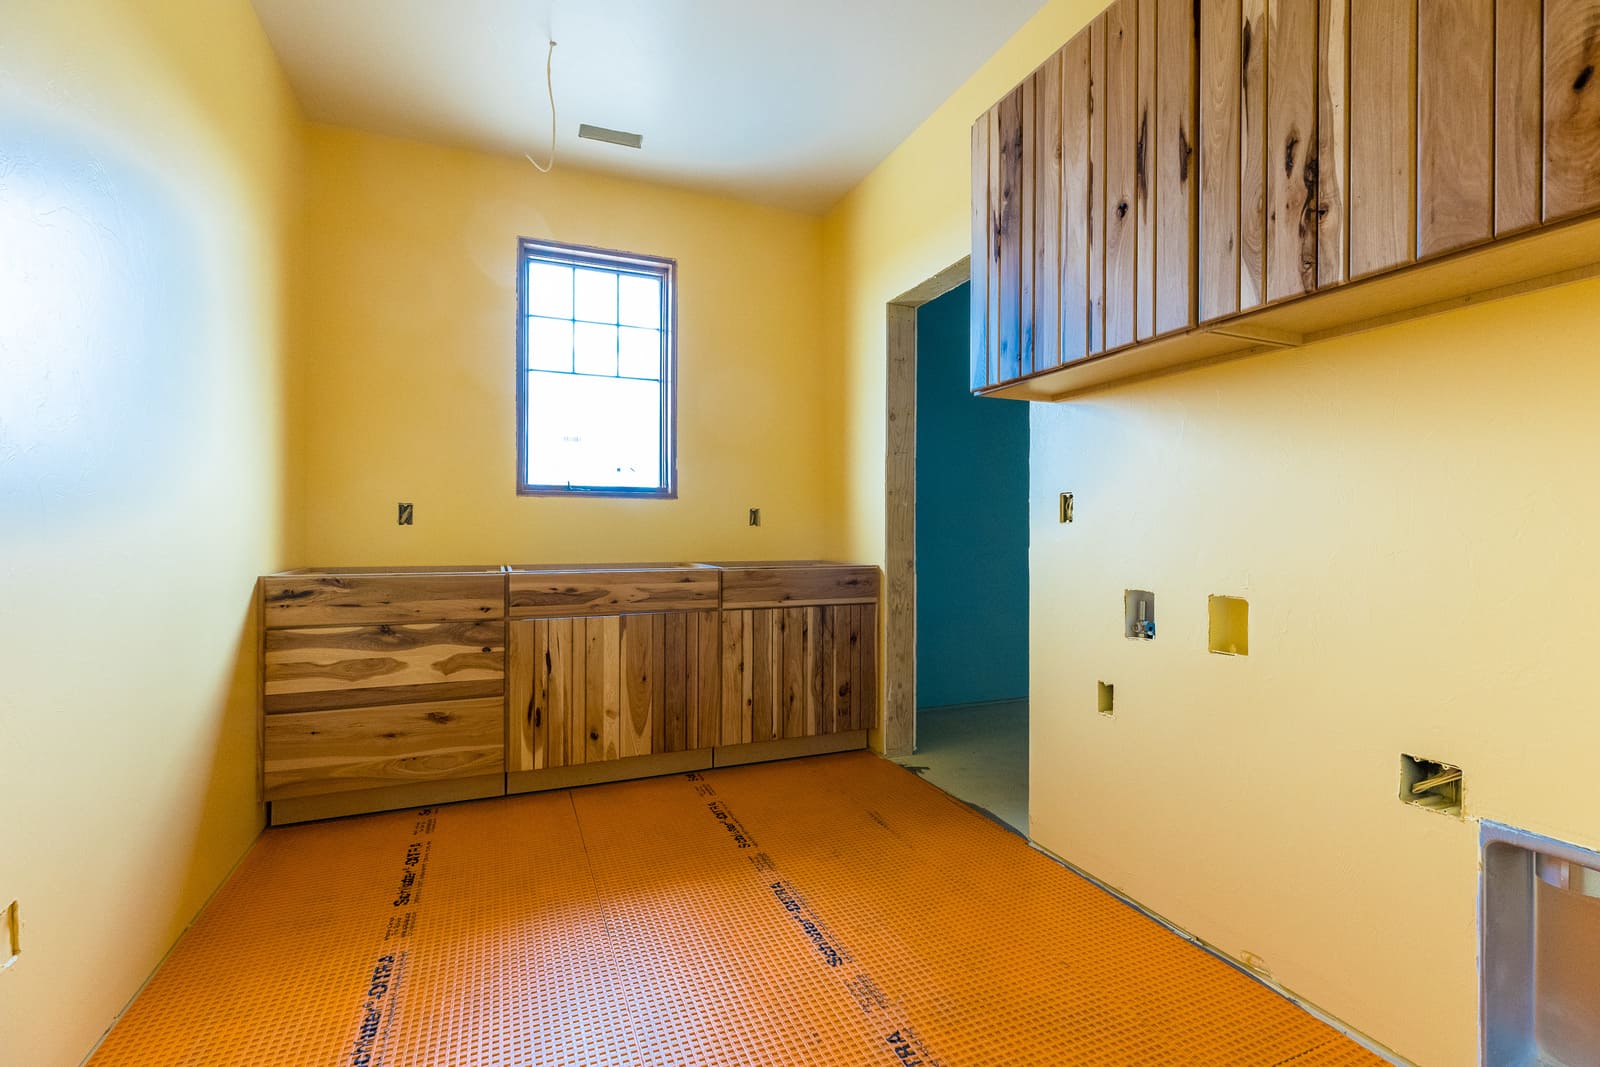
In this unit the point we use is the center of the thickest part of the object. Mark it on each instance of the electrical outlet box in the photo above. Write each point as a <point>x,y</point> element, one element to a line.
<point>1107,698</point>
<point>1066,507</point>
<point>1430,784</point>
<point>1139,614</point>
<point>755,516</point>
<point>407,513</point>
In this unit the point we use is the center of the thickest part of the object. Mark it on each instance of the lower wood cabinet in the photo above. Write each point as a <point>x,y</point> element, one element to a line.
<point>384,690</point>
<point>380,690</point>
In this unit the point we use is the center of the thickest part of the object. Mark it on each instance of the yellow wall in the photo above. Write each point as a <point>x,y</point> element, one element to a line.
<point>407,363</point>
<point>1408,513</point>
<point>145,162</point>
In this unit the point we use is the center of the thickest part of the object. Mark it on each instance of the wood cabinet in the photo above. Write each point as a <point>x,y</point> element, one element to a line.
<point>1228,168</point>
<point>383,689</point>
<point>1085,197</point>
<point>799,652</point>
<point>378,687</point>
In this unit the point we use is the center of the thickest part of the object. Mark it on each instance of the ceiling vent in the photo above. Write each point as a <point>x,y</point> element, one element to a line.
<point>619,137</point>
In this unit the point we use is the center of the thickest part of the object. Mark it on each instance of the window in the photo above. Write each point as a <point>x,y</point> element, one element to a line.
<point>595,372</point>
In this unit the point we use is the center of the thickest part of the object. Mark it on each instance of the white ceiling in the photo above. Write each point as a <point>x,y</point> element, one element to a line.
<point>783,103</point>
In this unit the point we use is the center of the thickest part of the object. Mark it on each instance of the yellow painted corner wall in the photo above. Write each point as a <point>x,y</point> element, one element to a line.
<point>146,183</point>
<point>407,356</point>
<point>1407,512</point>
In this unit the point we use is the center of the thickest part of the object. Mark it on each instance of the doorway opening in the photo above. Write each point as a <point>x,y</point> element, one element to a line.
<point>957,598</point>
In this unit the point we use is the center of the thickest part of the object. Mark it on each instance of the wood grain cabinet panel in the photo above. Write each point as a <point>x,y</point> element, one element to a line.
<point>1176,168</point>
<point>297,600</point>
<point>1518,86</point>
<point>1333,155</point>
<point>1124,167</point>
<point>760,586</point>
<point>1047,201</point>
<point>1097,185</point>
<point>1291,229</point>
<point>1252,153</point>
<point>798,672</point>
<point>982,255</point>
<point>1147,197</point>
<point>1382,108</point>
<point>563,594</point>
<point>1571,107</point>
<point>1455,124</point>
<point>1221,126</point>
<point>1075,207</point>
<point>321,752</point>
<point>1008,235</point>
<point>347,666</point>
<point>599,688</point>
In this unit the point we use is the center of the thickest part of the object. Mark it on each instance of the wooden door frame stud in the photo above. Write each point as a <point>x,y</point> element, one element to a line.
<point>899,736</point>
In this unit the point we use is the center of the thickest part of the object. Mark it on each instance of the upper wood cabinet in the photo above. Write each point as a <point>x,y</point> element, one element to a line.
<point>1187,180</point>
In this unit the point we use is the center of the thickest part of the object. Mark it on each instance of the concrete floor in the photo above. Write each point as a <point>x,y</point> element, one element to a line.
<point>977,753</point>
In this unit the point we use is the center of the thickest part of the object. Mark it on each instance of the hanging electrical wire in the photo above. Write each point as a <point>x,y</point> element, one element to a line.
<point>550,87</point>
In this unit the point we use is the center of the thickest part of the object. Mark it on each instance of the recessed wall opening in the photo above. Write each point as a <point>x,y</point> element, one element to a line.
<point>1430,784</point>
<point>1139,614</point>
<point>10,936</point>
<point>1540,949</point>
<point>1107,695</point>
<point>1229,629</point>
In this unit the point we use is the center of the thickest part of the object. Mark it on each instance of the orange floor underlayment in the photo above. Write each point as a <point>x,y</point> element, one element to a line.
<point>834,910</point>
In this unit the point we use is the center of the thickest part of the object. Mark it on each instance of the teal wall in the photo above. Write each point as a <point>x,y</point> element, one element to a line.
<point>972,523</point>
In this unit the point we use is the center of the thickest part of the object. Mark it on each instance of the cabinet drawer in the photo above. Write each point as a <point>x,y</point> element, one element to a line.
<point>348,666</point>
<point>320,752</point>
<point>346,599</point>
<point>569,594</point>
<point>785,587</point>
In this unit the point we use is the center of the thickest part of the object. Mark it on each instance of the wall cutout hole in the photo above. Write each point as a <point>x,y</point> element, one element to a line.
<point>10,936</point>
<point>1066,507</point>
<point>1430,784</point>
<point>407,512</point>
<point>1106,695</point>
<point>1230,625</point>
<point>755,516</point>
<point>1139,614</point>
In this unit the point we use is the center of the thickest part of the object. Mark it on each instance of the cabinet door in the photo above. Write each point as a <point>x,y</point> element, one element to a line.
<point>1291,231</point>
<point>317,753</point>
<point>1382,109</point>
<point>609,687</point>
<point>798,672</point>
<point>1571,107</point>
<point>1176,178</point>
<point>1221,124</point>
<point>1455,124</point>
